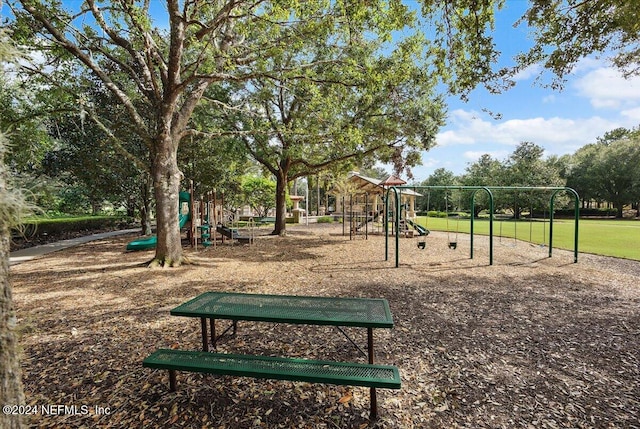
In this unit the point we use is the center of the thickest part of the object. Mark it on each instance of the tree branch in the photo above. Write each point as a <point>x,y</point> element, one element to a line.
<point>75,50</point>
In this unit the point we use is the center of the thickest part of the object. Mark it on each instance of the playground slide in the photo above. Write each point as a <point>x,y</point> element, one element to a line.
<point>421,229</point>
<point>231,233</point>
<point>152,241</point>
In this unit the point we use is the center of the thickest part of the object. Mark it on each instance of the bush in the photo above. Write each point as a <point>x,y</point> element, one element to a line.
<point>42,227</point>
<point>325,219</point>
<point>73,200</point>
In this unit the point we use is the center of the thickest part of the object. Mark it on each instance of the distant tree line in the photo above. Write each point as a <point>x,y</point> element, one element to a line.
<point>605,174</point>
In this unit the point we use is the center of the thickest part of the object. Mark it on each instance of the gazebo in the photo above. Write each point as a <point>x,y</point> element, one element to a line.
<point>364,194</point>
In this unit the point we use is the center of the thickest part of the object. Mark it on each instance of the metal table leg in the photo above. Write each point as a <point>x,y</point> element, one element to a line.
<point>373,415</point>
<point>205,340</point>
<point>212,324</point>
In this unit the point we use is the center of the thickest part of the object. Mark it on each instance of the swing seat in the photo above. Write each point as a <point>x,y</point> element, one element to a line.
<point>422,244</point>
<point>453,245</point>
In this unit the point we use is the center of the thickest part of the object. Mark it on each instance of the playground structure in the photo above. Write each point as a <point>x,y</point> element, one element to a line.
<point>212,222</point>
<point>396,192</point>
<point>207,221</point>
<point>362,207</point>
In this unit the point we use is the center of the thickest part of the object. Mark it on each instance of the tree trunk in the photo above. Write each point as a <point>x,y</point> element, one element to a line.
<point>281,204</point>
<point>131,206</point>
<point>145,209</point>
<point>11,392</point>
<point>166,185</point>
<point>96,206</point>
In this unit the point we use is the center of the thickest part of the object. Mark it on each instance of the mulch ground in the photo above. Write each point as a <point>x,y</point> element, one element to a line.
<point>530,342</point>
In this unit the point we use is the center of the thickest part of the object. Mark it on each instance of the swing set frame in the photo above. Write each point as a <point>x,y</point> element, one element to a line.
<point>555,190</point>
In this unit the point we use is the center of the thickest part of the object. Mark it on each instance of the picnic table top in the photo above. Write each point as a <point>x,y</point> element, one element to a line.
<point>361,312</point>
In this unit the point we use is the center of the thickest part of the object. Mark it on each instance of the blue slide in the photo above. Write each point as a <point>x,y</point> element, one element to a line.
<point>152,241</point>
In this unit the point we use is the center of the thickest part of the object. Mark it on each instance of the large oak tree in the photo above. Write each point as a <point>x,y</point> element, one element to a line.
<point>369,104</point>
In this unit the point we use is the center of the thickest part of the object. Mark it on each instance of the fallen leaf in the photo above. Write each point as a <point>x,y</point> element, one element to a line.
<point>346,398</point>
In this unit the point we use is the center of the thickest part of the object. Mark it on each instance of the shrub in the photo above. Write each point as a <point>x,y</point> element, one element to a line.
<point>41,227</point>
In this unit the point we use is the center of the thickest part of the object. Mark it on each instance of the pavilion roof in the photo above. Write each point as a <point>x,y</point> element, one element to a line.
<point>393,180</point>
<point>370,185</point>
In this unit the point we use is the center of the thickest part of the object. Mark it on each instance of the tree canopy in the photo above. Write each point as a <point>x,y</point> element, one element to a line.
<point>566,31</point>
<point>369,104</point>
<point>159,74</point>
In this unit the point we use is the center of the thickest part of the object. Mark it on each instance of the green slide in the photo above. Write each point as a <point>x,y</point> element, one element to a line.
<point>421,229</point>
<point>150,242</point>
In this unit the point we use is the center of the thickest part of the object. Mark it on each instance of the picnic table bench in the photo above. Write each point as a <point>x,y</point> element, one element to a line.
<point>356,312</point>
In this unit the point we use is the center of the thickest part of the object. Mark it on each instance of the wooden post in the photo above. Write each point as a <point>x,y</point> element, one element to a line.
<point>192,224</point>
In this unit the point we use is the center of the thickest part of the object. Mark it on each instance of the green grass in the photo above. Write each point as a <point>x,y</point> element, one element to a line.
<point>618,238</point>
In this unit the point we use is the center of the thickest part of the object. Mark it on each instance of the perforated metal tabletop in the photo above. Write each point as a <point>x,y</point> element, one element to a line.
<point>361,312</point>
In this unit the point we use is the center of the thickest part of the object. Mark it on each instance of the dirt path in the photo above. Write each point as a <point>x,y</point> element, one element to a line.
<point>528,342</point>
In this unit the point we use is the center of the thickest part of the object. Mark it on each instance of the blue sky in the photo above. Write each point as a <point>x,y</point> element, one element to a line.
<point>595,99</point>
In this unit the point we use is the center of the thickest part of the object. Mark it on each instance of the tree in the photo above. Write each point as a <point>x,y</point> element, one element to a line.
<point>615,135</point>
<point>85,159</point>
<point>368,104</point>
<point>214,163</point>
<point>616,168</point>
<point>19,116</point>
<point>12,205</point>
<point>160,75</point>
<point>486,171</point>
<point>527,167</point>
<point>567,31</point>
<point>607,170</point>
<point>439,199</point>
<point>580,175</point>
<point>259,193</point>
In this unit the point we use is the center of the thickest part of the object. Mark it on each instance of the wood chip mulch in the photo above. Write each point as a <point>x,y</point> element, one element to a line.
<point>530,342</point>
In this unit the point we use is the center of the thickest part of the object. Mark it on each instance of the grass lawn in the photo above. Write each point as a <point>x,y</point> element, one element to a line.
<point>617,238</point>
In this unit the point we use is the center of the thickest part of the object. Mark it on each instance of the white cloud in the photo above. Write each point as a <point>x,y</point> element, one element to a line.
<point>473,156</point>
<point>557,135</point>
<point>587,64</point>
<point>549,99</point>
<point>606,87</point>
<point>528,73</point>
<point>632,114</point>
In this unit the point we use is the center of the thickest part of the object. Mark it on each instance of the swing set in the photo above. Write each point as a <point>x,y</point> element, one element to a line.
<point>453,243</point>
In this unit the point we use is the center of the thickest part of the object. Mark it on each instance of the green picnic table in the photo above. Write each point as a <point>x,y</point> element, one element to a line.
<point>367,313</point>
